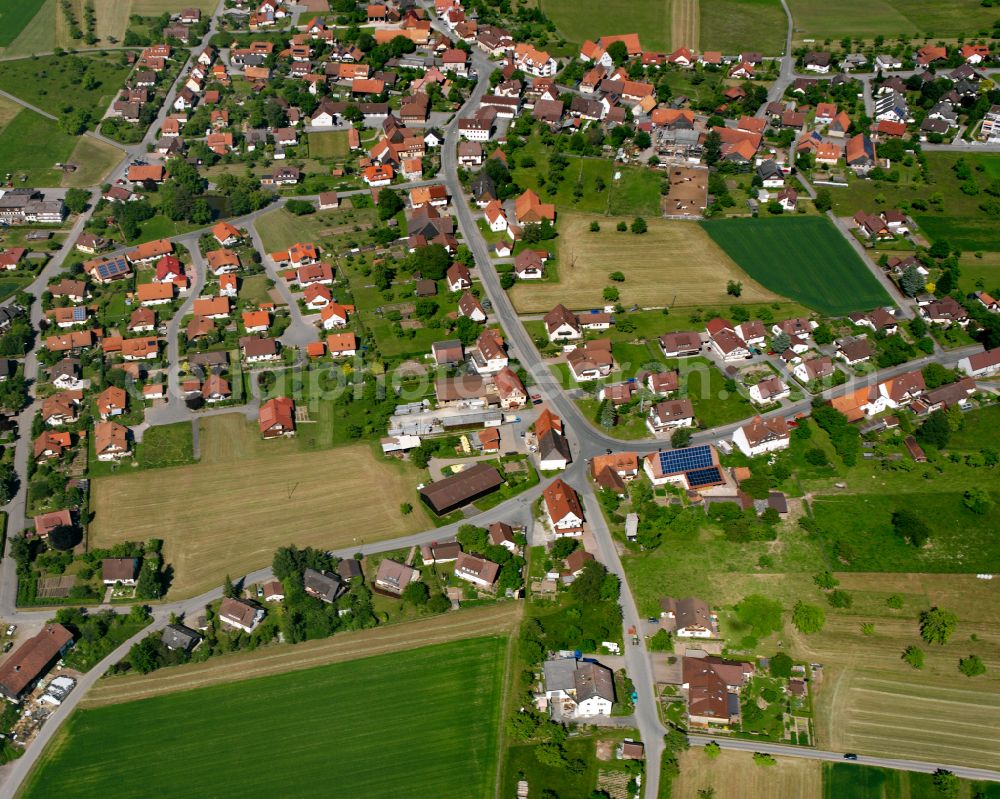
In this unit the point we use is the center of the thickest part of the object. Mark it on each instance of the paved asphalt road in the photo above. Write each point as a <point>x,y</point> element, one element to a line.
<point>838,757</point>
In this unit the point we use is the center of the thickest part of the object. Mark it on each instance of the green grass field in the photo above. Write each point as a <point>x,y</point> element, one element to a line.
<point>423,723</point>
<point>590,19</point>
<point>14,15</point>
<point>963,540</point>
<point>848,781</point>
<point>804,258</point>
<point>332,144</point>
<point>637,192</point>
<point>31,145</point>
<point>74,82</point>
<point>963,233</point>
<point>868,18</point>
<point>737,25</point>
<point>94,159</point>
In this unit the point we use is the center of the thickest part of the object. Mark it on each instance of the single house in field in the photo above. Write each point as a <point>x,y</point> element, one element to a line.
<point>669,415</point>
<point>680,345</point>
<point>111,441</point>
<point>392,577</point>
<point>119,570</point>
<point>240,615</point>
<point>981,364</point>
<point>324,586</point>
<point>768,390</point>
<point>562,324</point>
<point>688,618</point>
<point>274,591</point>
<point>276,418</point>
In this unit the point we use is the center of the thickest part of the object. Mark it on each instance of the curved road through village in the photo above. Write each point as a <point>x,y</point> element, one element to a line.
<point>586,442</point>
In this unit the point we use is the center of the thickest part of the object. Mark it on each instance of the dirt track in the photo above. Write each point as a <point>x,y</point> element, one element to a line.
<point>281,658</point>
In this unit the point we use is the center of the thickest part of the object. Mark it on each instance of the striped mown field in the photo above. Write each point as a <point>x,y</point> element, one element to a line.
<point>802,258</point>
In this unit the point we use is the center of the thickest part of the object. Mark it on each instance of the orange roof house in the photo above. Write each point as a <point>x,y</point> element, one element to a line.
<point>222,261</point>
<point>151,293</point>
<point>276,417</point>
<point>630,40</point>
<point>341,344</point>
<point>256,321</point>
<point>211,307</point>
<point>529,208</point>
<point>150,251</point>
<point>315,349</point>
<point>141,174</point>
<point>225,233</point>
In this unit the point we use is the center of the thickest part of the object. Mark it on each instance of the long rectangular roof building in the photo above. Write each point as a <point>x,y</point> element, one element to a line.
<point>455,491</point>
<point>32,659</point>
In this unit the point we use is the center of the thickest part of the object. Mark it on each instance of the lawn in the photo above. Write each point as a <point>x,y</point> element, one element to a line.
<point>14,15</point>
<point>166,445</point>
<point>733,26</point>
<point>31,145</point>
<point>980,273</point>
<point>416,715</point>
<point>849,781</point>
<point>161,446</point>
<point>591,19</point>
<point>74,82</point>
<point>734,775</point>
<point>246,497</point>
<point>804,258</point>
<point>328,145</point>
<point>672,264</point>
<point>498,618</point>
<point>94,159</point>
<point>256,289</point>
<point>864,19</point>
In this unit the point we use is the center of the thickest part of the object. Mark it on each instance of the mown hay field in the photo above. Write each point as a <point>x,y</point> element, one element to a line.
<point>672,264</point>
<point>228,513</point>
<point>734,775</point>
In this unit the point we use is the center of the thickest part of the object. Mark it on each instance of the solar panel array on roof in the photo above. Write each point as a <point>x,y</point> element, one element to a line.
<point>704,477</point>
<point>79,314</point>
<point>114,268</point>
<point>684,460</point>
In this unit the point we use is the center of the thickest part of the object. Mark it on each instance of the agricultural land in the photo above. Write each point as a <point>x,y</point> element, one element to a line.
<point>451,694</point>
<point>805,259</point>
<point>671,264</point>
<point>253,497</point>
